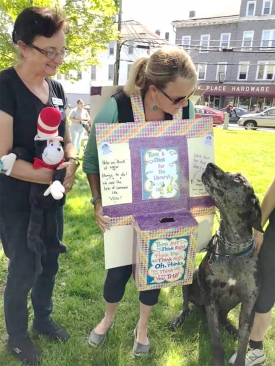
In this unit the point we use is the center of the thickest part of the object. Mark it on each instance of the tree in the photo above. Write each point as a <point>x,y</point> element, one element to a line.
<point>91,27</point>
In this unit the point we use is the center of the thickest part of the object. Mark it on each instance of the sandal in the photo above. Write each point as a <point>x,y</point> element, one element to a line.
<point>96,340</point>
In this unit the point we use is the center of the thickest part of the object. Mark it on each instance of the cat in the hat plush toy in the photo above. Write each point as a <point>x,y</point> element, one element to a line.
<point>49,153</point>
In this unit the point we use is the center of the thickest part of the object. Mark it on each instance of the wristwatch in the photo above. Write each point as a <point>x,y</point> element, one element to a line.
<point>94,199</point>
<point>75,159</point>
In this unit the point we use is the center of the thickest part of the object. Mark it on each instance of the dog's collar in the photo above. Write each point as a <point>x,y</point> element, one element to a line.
<point>230,244</point>
<point>227,257</point>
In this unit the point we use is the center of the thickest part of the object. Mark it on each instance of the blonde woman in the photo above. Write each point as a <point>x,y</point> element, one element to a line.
<point>165,81</point>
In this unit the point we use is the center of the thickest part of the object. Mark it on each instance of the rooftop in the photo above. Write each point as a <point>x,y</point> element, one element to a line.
<point>210,17</point>
<point>133,30</point>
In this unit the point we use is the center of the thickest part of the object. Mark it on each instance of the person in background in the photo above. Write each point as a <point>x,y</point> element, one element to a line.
<point>165,82</point>
<point>79,118</point>
<point>257,108</point>
<point>229,108</point>
<point>265,245</point>
<point>26,89</point>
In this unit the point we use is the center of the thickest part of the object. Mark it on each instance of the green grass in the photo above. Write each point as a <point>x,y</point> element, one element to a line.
<point>78,303</point>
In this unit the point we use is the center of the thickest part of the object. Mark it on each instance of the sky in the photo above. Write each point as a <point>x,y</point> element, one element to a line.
<point>158,14</point>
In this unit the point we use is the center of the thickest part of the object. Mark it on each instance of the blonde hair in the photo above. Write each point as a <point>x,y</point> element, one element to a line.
<point>162,67</point>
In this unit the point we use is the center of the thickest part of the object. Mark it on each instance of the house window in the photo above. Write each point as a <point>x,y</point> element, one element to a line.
<point>247,40</point>
<point>111,48</point>
<point>265,70</point>
<point>205,39</point>
<point>225,40</point>
<point>268,38</point>
<point>202,71</point>
<point>111,72</point>
<point>267,5</point>
<point>128,69</point>
<point>221,72</point>
<point>93,72</point>
<point>243,70</point>
<point>250,8</point>
<point>130,47</point>
<point>79,75</point>
<point>186,42</point>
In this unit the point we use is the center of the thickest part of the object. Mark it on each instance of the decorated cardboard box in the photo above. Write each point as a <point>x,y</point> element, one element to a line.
<point>164,249</point>
<point>165,232</point>
<point>150,175</point>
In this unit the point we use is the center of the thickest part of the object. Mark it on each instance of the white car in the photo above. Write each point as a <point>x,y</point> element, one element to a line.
<point>253,120</point>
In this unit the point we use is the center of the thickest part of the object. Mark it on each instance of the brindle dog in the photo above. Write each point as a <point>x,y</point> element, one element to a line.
<point>228,274</point>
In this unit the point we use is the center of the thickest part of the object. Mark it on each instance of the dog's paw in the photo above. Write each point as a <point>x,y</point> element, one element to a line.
<point>176,322</point>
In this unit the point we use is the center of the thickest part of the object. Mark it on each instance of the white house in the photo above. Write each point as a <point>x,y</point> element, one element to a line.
<point>135,40</point>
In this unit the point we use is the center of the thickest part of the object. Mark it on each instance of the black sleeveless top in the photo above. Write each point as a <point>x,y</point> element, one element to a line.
<point>270,230</point>
<point>125,112</point>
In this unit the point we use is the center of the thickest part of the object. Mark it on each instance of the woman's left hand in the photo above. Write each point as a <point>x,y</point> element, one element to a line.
<point>70,173</point>
<point>258,239</point>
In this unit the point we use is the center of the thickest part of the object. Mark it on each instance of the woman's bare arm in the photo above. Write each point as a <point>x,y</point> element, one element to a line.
<point>21,170</point>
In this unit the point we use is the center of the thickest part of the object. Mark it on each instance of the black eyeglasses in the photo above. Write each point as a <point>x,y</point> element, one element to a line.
<point>180,99</point>
<point>51,54</point>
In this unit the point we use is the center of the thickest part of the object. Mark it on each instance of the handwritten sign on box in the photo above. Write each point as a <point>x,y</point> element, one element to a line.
<point>115,173</point>
<point>200,153</point>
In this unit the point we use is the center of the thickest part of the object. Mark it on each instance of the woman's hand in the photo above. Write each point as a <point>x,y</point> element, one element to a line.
<point>102,221</point>
<point>258,239</point>
<point>70,173</point>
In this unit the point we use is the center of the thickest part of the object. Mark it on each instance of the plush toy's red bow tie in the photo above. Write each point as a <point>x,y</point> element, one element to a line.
<point>38,163</point>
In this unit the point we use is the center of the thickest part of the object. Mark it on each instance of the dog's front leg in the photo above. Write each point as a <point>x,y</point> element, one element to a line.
<point>178,320</point>
<point>213,324</point>
<point>245,324</point>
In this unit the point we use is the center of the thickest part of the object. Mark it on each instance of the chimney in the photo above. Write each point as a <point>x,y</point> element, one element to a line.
<point>157,32</point>
<point>192,14</point>
<point>167,36</point>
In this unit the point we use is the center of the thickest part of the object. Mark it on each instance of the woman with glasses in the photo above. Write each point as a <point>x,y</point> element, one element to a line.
<point>26,89</point>
<point>165,81</point>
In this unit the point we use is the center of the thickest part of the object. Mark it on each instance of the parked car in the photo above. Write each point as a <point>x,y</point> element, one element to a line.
<point>236,113</point>
<point>253,120</point>
<point>204,111</point>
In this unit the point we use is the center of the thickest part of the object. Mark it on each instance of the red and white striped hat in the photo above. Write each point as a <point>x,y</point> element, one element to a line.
<point>47,124</point>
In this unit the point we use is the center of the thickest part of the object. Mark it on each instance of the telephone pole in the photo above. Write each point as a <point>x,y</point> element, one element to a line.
<point>117,62</point>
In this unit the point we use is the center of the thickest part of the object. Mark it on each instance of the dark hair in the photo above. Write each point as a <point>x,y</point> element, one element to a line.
<point>37,21</point>
<point>80,101</point>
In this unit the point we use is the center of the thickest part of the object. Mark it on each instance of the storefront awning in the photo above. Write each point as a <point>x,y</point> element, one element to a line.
<point>235,90</point>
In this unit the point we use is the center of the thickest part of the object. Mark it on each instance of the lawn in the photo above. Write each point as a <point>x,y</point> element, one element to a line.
<point>78,294</point>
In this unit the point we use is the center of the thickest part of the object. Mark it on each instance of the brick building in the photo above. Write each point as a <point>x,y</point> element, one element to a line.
<point>234,53</point>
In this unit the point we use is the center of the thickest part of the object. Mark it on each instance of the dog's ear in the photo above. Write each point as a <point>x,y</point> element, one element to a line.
<point>256,216</point>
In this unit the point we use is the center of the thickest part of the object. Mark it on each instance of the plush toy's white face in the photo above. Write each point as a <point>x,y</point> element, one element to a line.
<point>53,152</point>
